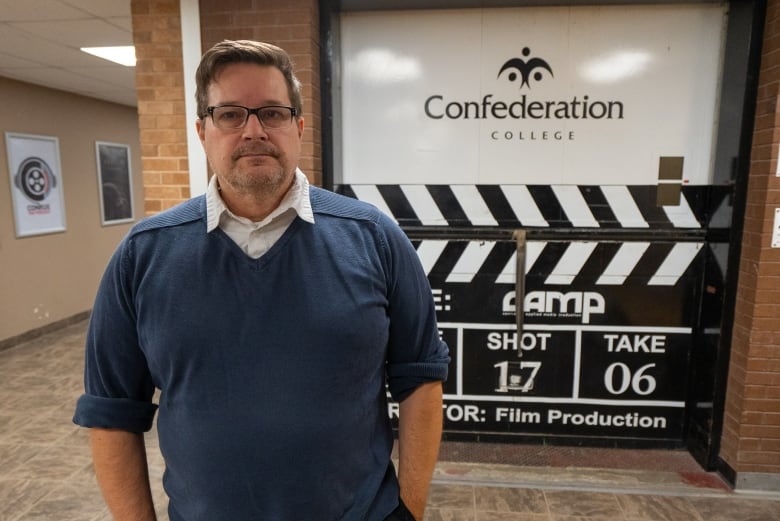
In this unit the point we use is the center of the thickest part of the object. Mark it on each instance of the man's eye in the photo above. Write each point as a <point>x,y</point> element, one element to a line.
<point>273,115</point>
<point>230,115</point>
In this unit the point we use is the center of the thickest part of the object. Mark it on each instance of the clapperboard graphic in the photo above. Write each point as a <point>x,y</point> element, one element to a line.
<point>603,266</point>
<point>664,253</point>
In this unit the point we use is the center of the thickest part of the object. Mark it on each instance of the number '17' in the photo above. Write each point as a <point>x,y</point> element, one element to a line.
<point>513,381</point>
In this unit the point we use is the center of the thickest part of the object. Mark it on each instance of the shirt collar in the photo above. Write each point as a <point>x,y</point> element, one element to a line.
<point>296,198</point>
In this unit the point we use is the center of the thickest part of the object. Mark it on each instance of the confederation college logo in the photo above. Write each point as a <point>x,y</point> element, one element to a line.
<point>525,106</point>
<point>525,67</point>
<point>35,179</point>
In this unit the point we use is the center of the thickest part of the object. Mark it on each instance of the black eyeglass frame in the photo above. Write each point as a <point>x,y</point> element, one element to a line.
<point>256,111</point>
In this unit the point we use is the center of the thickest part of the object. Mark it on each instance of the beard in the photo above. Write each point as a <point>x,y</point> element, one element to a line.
<point>257,168</point>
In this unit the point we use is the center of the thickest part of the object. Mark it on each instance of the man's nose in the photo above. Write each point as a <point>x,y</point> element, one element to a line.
<point>253,127</point>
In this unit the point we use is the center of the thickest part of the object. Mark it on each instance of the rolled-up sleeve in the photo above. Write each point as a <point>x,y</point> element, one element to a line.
<point>114,413</point>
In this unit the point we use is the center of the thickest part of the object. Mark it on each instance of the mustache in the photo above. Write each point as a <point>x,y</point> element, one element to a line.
<point>254,148</point>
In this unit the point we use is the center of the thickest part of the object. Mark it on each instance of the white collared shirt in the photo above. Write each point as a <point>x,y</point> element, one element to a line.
<point>256,238</point>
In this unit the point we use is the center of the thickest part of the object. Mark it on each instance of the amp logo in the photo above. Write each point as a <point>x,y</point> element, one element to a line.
<point>557,304</point>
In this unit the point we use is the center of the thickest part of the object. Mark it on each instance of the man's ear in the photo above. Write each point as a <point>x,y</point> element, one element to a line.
<point>200,127</point>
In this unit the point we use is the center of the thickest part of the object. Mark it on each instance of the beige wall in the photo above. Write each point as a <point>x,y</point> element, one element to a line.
<point>49,278</point>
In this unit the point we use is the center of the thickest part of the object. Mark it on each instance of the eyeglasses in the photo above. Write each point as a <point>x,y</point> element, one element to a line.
<point>231,117</point>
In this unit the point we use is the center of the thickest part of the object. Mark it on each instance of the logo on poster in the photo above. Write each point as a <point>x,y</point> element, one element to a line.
<point>555,304</point>
<point>525,68</point>
<point>36,181</point>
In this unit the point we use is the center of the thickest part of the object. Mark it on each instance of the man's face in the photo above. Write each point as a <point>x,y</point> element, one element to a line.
<point>251,160</point>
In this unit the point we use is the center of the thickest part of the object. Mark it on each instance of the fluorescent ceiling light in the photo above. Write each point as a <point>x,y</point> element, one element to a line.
<point>124,55</point>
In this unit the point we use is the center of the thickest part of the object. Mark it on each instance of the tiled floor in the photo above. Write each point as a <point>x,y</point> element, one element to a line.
<point>46,474</point>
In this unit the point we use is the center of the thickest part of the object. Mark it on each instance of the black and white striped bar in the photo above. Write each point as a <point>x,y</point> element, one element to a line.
<point>543,206</point>
<point>560,263</point>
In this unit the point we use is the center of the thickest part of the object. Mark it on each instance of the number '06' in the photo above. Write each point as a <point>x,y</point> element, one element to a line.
<point>618,378</point>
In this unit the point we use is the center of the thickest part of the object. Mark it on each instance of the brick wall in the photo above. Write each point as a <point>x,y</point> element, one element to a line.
<point>751,433</point>
<point>161,112</point>
<point>293,26</point>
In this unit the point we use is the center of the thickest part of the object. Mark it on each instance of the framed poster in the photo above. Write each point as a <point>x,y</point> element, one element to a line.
<point>36,183</point>
<point>116,187</point>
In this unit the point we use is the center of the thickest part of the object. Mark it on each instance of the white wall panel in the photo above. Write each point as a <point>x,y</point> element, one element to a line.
<point>658,64</point>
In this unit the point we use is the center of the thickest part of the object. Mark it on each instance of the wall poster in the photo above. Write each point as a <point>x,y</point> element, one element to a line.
<point>116,187</point>
<point>36,183</point>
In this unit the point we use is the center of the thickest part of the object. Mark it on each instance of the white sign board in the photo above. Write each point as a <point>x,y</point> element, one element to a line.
<point>542,95</point>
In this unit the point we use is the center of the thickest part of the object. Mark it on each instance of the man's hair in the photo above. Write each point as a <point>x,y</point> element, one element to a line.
<point>244,51</point>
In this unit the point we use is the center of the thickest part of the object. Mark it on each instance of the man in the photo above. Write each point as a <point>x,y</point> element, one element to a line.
<point>270,315</point>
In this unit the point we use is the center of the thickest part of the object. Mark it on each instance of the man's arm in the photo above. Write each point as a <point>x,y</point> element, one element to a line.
<point>121,469</point>
<point>419,435</point>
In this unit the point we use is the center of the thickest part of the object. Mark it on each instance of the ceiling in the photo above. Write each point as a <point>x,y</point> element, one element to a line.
<point>40,41</point>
